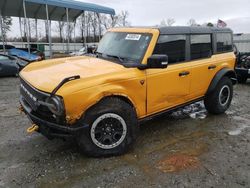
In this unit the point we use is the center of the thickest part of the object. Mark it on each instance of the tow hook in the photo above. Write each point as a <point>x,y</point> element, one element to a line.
<point>33,128</point>
<point>21,110</point>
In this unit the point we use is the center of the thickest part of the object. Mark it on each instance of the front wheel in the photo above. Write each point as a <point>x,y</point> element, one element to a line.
<point>220,99</point>
<point>112,128</point>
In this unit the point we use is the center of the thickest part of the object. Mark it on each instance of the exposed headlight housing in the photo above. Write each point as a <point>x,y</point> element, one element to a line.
<point>55,105</point>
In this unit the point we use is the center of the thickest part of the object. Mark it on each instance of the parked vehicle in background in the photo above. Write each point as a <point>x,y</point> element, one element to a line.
<point>34,51</point>
<point>91,49</point>
<point>82,51</point>
<point>10,66</point>
<point>243,67</point>
<point>23,55</point>
<point>137,74</point>
<point>7,47</point>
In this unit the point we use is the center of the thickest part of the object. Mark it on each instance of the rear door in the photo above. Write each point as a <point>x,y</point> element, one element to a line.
<point>203,65</point>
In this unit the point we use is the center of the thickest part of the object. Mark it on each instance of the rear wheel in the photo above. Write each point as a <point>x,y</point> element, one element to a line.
<point>218,101</point>
<point>112,130</point>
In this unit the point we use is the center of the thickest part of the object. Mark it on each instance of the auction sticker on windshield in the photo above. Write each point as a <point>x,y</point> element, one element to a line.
<point>133,37</point>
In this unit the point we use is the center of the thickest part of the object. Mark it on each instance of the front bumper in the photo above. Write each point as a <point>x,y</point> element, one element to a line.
<point>242,72</point>
<point>53,130</point>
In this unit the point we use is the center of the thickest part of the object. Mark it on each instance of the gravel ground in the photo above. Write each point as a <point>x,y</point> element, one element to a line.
<point>185,149</point>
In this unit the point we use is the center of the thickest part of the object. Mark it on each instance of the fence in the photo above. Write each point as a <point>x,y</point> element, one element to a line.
<point>56,47</point>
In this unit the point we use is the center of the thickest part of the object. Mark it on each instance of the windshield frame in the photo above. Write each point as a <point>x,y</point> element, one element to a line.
<point>135,61</point>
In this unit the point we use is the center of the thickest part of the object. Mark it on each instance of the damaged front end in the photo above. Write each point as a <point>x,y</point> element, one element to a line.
<point>46,111</point>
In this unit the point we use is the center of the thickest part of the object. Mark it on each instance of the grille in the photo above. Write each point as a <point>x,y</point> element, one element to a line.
<point>31,95</point>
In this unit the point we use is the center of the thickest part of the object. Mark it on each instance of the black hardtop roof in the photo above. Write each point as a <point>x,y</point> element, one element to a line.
<point>192,30</point>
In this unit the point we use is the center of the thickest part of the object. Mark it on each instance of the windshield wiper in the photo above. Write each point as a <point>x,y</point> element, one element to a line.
<point>121,59</point>
<point>117,57</point>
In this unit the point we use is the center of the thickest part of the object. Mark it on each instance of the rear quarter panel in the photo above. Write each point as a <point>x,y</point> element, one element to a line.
<point>202,77</point>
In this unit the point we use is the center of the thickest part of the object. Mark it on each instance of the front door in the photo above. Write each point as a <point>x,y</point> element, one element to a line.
<point>169,87</point>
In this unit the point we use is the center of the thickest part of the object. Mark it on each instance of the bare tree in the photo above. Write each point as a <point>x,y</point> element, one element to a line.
<point>192,22</point>
<point>170,21</point>
<point>46,24</point>
<point>163,23</point>
<point>82,26</point>
<point>6,24</point>
<point>94,24</point>
<point>106,22</point>
<point>60,27</point>
<point>124,18</point>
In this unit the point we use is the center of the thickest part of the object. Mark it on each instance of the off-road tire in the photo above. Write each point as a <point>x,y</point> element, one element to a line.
<point>213,102</point>
<point>88,143</point>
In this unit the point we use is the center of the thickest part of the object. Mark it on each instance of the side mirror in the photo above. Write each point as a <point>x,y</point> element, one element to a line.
<point>157,61</point>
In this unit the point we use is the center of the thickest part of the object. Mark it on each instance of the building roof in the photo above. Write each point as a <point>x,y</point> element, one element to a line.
<point>36,9</point>
<point>191,29</point>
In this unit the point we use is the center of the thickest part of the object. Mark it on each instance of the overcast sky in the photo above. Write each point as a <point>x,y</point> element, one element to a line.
<point>236,13</point>
<point>150,12</point>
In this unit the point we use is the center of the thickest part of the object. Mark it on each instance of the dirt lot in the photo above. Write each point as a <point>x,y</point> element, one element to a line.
<point>184,149</point>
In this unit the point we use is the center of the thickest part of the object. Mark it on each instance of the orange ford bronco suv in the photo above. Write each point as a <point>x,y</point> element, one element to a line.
<point>138,73</point>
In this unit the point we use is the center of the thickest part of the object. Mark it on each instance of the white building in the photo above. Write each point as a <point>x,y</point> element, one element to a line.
<point>242,41</point>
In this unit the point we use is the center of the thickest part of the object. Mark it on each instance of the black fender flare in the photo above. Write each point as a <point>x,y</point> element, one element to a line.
<point>219,75</point>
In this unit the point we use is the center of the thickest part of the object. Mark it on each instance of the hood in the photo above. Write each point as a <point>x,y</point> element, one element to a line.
<point>46,75</point>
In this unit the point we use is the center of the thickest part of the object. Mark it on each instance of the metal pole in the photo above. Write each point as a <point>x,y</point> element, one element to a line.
<point>2,32</point>
<point>29,29</point>
<point>75,36</point>
<point>49,30</point>
<point>85,31</point>
<point>99,23</point>
<point>21,33</point>
<point>112,17</point>
<point>25,23</point>
<point>68,30</point>
<point>36,31</point>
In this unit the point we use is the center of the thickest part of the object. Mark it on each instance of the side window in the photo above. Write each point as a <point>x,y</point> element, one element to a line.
<point>172,45</point>
<point>224,42</point>
<point>201,46</point>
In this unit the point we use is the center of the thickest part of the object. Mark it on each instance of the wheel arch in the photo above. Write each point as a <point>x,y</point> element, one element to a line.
<point>120,96</point>
<point>219,75</point>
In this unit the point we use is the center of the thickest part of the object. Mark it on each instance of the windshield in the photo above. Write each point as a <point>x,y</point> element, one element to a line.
<point>124,46</point>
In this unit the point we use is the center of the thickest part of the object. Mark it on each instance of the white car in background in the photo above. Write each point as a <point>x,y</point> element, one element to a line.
<point>82,51</point>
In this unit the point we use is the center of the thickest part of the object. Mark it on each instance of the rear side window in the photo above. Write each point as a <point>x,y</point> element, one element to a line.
<point>224,42</point>
<point>201,46</point>
<point>172,45</point>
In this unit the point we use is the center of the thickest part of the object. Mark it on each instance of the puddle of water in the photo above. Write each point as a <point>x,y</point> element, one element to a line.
<point>178,162</point>
<point>243,124</point>
<point>238,130</point>
<point>177,139</point>
<point>16,165</point>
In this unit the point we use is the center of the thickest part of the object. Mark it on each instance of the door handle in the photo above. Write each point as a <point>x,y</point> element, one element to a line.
<point>184,73</point>
<point>211,67</point>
